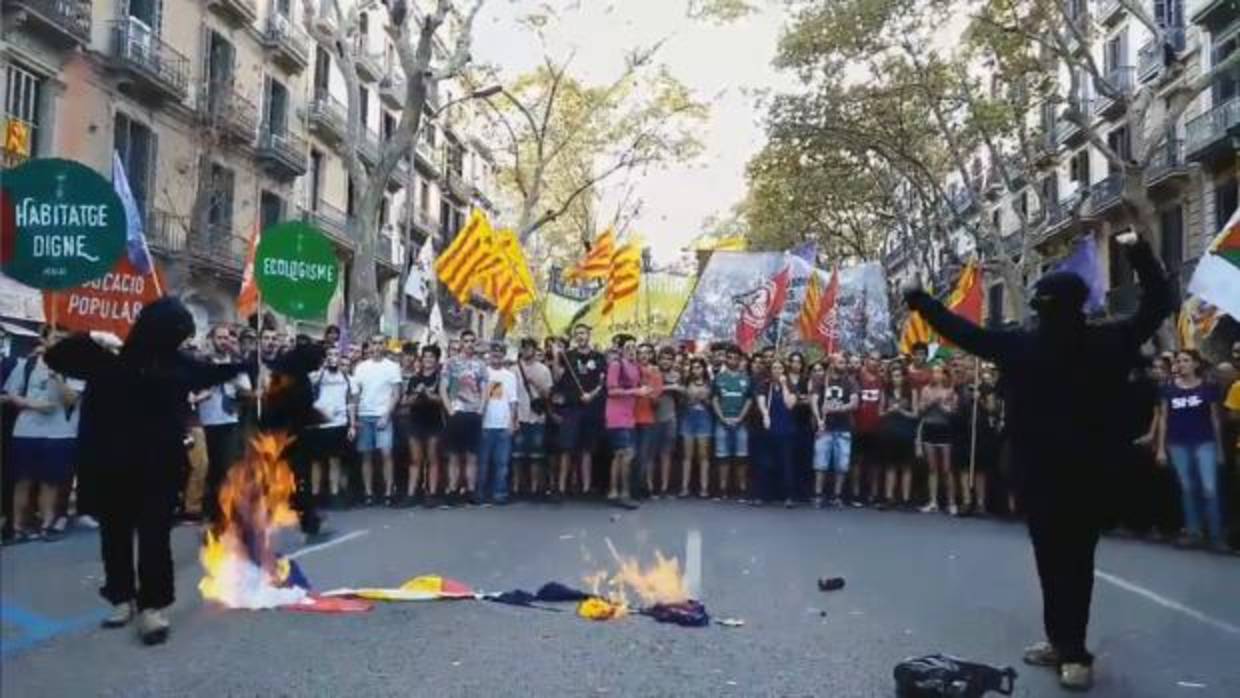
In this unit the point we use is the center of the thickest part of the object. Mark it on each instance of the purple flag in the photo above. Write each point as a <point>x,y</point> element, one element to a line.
<point>1084,263</point>
<point>135,240</point>
<point>807,251</point>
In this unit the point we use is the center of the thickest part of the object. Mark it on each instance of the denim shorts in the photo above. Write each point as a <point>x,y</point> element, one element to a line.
<point>696,423</point>
<point>529,441</point>
<point>622,439</point>
<point>832,449</point>
<point>662,437</point>
<point>371,438</point>
<point>731,442</point>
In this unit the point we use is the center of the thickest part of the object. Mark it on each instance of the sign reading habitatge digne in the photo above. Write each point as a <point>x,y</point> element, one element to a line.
<point>61,224</point>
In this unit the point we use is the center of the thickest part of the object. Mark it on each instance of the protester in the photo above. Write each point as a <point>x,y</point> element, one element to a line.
<point>867,461</point>
<point>666,415</point>
<point>649,445</point>
<point>376,387</point>
<point>218,410</point>
<point>776,402</point>
<point>580,375</point>
<point>938,406</point>
<point>901,407</point>
<point>1191,436</point>
<point>833,403</point>
<point>696,427</point>
<point>499,424</point>
<point>426,423</point>
<point>732,398</point>
<point>533,394</point>
<point>329,441</point>
<point>462,395</point>
<point>624,386</point>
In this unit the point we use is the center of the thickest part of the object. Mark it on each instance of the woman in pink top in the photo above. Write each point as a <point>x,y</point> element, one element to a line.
<point>623,388</point>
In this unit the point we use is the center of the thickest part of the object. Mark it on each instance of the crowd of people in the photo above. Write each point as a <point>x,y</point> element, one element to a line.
<point>467,424</point>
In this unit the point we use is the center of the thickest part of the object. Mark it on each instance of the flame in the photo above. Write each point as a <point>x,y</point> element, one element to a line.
<point>662,582</point>
<point>240,565</point>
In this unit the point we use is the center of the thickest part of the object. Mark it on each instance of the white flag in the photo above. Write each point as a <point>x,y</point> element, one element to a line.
<point>434,329</point>
<point>417,285</point>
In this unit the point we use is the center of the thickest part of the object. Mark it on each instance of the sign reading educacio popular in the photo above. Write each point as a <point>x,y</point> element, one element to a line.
<point>296,270</point>
<point>61,224</point>
<point>110,303</point>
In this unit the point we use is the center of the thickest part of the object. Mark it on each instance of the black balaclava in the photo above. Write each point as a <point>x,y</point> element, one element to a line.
<point>1059,300</point>
<point>158,333</point>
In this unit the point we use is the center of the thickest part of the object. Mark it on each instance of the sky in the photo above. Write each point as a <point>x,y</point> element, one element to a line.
<point>723,65</point>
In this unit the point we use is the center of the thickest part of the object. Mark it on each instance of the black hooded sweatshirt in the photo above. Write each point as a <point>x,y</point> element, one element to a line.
<point>132,429</point>
<point>1062,383</point>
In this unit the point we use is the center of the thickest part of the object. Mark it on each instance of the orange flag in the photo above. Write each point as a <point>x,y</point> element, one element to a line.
<point>247,299</point>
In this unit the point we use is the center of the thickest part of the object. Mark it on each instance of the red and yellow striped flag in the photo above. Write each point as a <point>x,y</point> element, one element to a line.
<point>624,278</point>
<point>511,287</point>
<point>470,259</point>
<point>247,299</point>
<point>916,330</point>
<point>809,308</point>
<point>597,262</point>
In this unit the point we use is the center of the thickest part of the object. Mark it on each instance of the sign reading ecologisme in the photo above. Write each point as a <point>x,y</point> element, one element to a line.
<point>110,303</point>
<point>61,224</point>
<point>296,270</point>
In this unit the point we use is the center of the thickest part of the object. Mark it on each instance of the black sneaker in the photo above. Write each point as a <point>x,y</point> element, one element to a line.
<point>627,503</point>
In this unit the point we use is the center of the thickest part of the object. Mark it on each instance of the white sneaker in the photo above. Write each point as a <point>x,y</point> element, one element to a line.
<point>953,510</point>
<point>87,521</point>
<point>930,508</point>
<point>121,614</point>
<point>1041,654</point>
<point>153,626</point>
<point>1076,677</point>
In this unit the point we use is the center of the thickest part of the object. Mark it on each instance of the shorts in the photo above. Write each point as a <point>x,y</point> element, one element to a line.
<point>731,442</point>
<point>622,439</point>
<point>464,433</point>
<point>580,427</point>
<point>896,450</point>
<point>867,446</point>
<point>326,442</point>
<point>696,424</point>
<point>43,460</point>
<point>371,438</point>
<point>662,437</point>
<point>832,449</point>
<point>424,430</point>
<point>530,441</point>
<point>937,434</point>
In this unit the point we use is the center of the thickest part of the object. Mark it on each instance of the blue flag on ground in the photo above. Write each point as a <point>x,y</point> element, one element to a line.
<point>1084,263</point>
<point>135,240</point>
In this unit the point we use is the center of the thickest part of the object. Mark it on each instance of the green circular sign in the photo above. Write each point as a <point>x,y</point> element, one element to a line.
<point>61,224</point>
<point>297,270</point>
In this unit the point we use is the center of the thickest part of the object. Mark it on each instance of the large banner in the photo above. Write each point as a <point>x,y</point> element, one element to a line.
<point>733,281</point>
<point>660,299</point>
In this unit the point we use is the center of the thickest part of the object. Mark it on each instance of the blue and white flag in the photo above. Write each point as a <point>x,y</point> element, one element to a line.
<point>135,240</point>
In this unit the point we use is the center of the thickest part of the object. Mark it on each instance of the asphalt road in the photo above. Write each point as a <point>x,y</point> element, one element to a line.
<point>1166,622</point>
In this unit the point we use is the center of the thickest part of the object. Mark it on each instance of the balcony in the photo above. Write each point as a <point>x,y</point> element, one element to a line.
<point>333,222</point>
<point>1166,165</point>
<point>1067,131</point>
<point>385,258</point>
<point>228,113</point>
<point>368,147</point>
<point>1213,14</point>
<point>457,189</point>
<point>1110,12</point>
<point>1078,18</point>
<point>424,159</point>
<point>215,248</point>
<point>392,90</point>
<point>368,67</point>
<point>150,67</point>
<point>164,234</point>
<point>1122,79</point>
<point>425,223</point>
<point>288,45</point>
<point>1059,218</point>
<point>65,23</point>
<point>1105,196</point>
<point>1215,134</point>
<point>1150,57</point>
<point>327,118</point>
<point>400,175</point>
<point>239,13</point>
<point>1046,145</point>
<point>281,152</point>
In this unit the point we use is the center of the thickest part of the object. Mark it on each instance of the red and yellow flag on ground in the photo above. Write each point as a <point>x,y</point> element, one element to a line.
<point>247,299</point>
<point>597,262</point>
<point>470,259</point>
<point>511,286</point>
<point>623,279</point>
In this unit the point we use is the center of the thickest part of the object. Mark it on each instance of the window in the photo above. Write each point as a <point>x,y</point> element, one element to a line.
<point>23,93</point>
<point>385,212</point>
<point>270,209</point>
<point>350,197</point>
<point>1226,86</point>
<point>1120,142</point>
<point>147,12</point>
<point>221,182</point>
<point>445,221</point>
<point>137,147</point>
<point>1050,191</point>
<point>424,198</point>
<point>1116,54</point>
<point>322,71</point>
<point>1169,13</point>
<point>220,61</point>
<point>284,7</point>
<point>996,220</point>
<point>316,179</point>
<point>1023,203</point>
<point>275,107</point>
<point>389,127</point>
<point>1079,168</point>
<point>363,31</point>
<point>1225,204</point>
<point>364,108</point>
<point>1171,243</point>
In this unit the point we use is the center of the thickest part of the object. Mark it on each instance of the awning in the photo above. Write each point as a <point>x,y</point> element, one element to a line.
<point>17,330</point>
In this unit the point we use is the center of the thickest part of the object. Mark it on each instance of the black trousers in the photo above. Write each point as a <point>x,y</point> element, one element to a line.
<point>300,460</point>
<point>149,520</point>
<point>223,449</point>
<point>1063,547</point>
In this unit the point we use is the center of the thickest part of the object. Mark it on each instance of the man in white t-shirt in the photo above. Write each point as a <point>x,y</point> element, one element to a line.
<point>376,390</point>
<point>44,439</point>
<point>330,439</point>
<point>218,412</point>
<point>499,424</point>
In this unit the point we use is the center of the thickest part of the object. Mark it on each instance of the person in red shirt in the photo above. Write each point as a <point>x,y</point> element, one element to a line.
<point>648,445</point>
<point>866,460</point>
<point>918,368</point>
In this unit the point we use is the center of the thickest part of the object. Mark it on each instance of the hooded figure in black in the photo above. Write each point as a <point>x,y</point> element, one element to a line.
<point>131,440</point>
<point>1062,381</point>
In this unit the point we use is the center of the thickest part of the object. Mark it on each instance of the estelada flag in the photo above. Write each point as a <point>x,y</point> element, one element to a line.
<point>623,279</point>
<point>1216,280</point>
<point>761,307</point>
<point>819,317</point>
<point>808,317</point>
<point>110,303</point>
<point>966,298</point>
<point>511,286</point>
<point>915,331</point>
<point>470,259</point>
<point>247,298</point>
<point>597,262</point>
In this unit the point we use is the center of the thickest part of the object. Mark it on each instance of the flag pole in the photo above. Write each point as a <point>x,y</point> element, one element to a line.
<point>977,380</point>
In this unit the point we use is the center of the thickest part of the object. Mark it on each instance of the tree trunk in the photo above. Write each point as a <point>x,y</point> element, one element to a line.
<point>366,306</point>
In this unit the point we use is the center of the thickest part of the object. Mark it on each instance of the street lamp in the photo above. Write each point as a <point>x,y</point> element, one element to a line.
<point>484,93</point>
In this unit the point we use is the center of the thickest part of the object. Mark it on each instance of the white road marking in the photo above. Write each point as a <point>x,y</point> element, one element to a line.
<point>1165,602</point>
<point>327,544</point>
<point>693,564</point>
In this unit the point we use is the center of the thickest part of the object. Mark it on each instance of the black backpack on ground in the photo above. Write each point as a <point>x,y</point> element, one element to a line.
<point>942,676</point>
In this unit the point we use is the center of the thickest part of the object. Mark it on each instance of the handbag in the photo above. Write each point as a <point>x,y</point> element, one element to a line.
<point>538,405</point>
